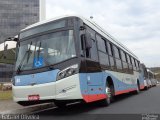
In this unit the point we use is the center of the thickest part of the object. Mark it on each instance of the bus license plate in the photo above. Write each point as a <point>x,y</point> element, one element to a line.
<point>33,97</point>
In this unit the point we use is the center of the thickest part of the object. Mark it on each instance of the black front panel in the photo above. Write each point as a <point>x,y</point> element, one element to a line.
<point>88,66</point>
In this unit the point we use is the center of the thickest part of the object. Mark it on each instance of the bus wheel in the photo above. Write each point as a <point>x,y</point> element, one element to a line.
<point>107,101</point>
<point>138,88</point>
<point>60,104</point>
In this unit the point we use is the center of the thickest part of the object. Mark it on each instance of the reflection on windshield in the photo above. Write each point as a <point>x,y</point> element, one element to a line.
<point>46,50</point>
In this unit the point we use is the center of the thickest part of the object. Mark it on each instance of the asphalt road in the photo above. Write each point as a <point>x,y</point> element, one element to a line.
<point>146,102</point>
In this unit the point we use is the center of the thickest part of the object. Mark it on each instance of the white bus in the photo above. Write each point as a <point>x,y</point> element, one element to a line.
<point>144,71</point>
<point>69,59</point>
<point>151,77</point>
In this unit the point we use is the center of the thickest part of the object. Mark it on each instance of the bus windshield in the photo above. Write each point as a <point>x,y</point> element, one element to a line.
<point>46,50</point>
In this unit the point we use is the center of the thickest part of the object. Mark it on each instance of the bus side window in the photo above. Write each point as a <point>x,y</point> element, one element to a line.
<point>93,51</point>
<point>111,58</point>
<point>102,51</point>
<point>124,61</point>
<point>117,58</point>
<point>111,46</point>
<point>133,63</point>
<point>101,44</point>
<point>129,63</point>
<point>137,65</point>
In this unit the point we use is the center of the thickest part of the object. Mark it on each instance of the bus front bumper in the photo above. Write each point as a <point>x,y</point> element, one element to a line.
<point>65,89</point>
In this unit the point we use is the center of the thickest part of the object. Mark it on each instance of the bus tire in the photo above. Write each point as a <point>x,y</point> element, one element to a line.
<point>145,88</point>
<point>60,104</point>
<point>138,88</point>
<point>23,103</point>
<point>109,98</point>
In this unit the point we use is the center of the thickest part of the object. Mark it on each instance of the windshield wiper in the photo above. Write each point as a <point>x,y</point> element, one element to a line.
<point>23,59</point>
<point>46,62</point>
<point>29,52</point>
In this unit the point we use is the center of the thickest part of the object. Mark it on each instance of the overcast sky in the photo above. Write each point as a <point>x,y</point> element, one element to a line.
<point>135,23</point>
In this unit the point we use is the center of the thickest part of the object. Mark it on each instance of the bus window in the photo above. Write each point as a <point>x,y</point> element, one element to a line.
<point>137,66</point>
<point>93,51</point>
<point>123,56</point>
<point>116,52</point>
<point>133,63</point>
<point>103,56</point>
<point>117,58</point>
<point>110,49</point>
<point>129,63</point>
<point>124,61</point>
<point>111,59</point>
<point>101,44</point>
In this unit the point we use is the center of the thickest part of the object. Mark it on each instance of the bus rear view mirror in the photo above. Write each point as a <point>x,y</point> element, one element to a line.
<point>86,38</point>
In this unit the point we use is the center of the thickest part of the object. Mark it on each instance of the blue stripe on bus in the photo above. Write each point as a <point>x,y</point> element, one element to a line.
<point>38,78</point>
<point>96,84</point>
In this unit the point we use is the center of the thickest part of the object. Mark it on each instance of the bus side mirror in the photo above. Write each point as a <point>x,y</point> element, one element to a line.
<point>86,38</point>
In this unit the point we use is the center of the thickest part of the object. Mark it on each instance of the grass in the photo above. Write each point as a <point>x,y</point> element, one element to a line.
<point>5,95</point>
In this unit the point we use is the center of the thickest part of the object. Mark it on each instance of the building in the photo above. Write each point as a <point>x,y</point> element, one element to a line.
<point>16,15</point>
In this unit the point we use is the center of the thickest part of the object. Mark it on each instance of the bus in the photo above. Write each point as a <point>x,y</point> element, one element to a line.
<point>144,71</point>
<point>151,77</point>
<point>71,58</point>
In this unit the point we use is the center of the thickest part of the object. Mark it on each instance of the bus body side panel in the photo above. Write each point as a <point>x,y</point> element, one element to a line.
<point>123,83</point>
<point>91,92</point>
<point>142,81</point>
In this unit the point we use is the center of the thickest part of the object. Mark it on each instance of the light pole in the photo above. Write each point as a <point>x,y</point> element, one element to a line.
<point>42,10</point>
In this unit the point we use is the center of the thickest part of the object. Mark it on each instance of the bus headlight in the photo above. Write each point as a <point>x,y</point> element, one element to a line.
<point>67,72</point>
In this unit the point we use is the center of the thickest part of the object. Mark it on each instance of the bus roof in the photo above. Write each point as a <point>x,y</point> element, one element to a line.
<point>94,26</point>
